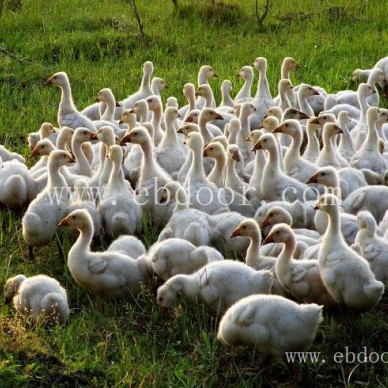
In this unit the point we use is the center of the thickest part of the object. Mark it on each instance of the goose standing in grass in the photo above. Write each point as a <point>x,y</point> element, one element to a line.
<point>68,115</point>
<point>300,278</point>
<point>40,221</point>
<point>373,247</point>
<point>346,275</point>
<point>271,324</point>
<point>109,274</point>
<point>38,296</point>
<point>219,284</point>
<point>120,213</point>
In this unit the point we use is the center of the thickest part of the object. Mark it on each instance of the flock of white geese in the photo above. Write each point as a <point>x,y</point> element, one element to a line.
<point>295,184</point>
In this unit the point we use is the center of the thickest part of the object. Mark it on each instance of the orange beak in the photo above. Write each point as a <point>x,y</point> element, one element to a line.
<point>265,222</point>
<point>64,222</point>
<point>236,233</point>
<point>313,179</point>
<point>35,152</point>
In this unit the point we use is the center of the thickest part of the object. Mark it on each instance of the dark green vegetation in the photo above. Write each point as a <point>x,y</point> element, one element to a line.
<point>98,45</point>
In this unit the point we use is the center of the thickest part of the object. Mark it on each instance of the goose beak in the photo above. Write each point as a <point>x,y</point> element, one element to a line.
<point>236,156</point>
<point>180,130</point>
<point>303,116</point>
<point>236,233</point>
<point>215,75</point>
<point>118,105</point>
<point>197,93</point>
<point>339,130</point>
<point>315,120</point>
<point>269,239</point>
<point>35,152</point>
<point>218,117</point>
<point>248,139</point>
<point>313,179</point>
<point>48,82</point>
<point>125,139</point>
<point>317,206</point>
<point>97,100</point>
<point>257,146</point>
<point>315,92</point>
<point>278,129</point>
<point>121,122</point>
<point>164,196</point>
<point>189,119</point>
<point>178,116</point>
<point>64,222</point>
<point>205,152</point>
<point>265,222</point>
<point>93,136</point>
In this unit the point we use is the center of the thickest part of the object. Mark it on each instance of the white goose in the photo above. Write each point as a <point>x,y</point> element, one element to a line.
<point>244,94</point>
<point>338,263</point>
<point>226,99</point>
<point>109,274</point>
<point>68,115</point>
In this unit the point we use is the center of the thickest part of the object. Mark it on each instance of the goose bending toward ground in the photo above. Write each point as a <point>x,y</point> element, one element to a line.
<point>109,274</point>
<point>219,285</point>
<point>346,275</point>
<point>300,278</point>
<point>259,321</point>
<point>38,296</point>
<point>68,115</point>
<point>176,256</point>
<point>372,247</point>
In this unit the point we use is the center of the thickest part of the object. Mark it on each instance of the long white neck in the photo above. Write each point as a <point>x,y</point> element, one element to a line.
<point>196,169</point>
<point>263,91</point>
<point>170,137</point>
<point>66,105</point>
<point>226,100</point>
<point>82,245</point>
<point>116,183</point>
<point>190,95</point>
<point>217,174</point>
<point>304,106</point>
<point>333,234</point>
<point>272,166</point>
<point>110,107</point>
<point>149,165</point>
<point>312,150</point>
<point>372,140</point>
<point>293,152</point>
<point>206,134</point>
<point>156,120</point>
<point>83,164</point>
<point>362,100</point>
<point>286,255</point>
<point>252,257</point>
<point>55,179</point>
<point>145,85</point>
<point>245,91</point>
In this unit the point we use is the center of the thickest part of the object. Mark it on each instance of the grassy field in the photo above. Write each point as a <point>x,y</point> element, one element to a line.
<point>98,44</point>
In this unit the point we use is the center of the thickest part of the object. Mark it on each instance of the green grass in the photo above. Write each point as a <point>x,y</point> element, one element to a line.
<point>97,43</point>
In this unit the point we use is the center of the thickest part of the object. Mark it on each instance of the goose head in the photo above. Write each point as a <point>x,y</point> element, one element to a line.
<point>289,127</point>
<point>323,119</point>
<point>260,64</point>
<point>254,136</point>
<point>292,113</point>
<point>237,109</point>
<point>158,84</point>
<point>11,287</point>
<point>366,221</point>
<point>195,141</point>
<point>289,64</point>
<point>166,296</point>
<point>138,135</point>
<point>233,152</point>
<point>274,111</point>
<point>383,116</point>
<point>284,86</point>
<point>331,129</point>
<point>276,215</point>
<point>148,68</point>
<point>306,91</point>
<point>115,154</point>
<point>327,203</point>
<point>188,89</point>
<point>248,227</point>
<point>226,86</point>
<point>234,126</point>
<point>129,117</point>
<point>172,101</point>
<point>58,79</point>
<point>203,90</point>
<point>81,188</point>
<point>360,75</point>
<point>140,107</point>
<point>188,128</point>
<point>327,176</point>
<point>43,147</point>
<point>344,117</point>
<point>270,123</point>
<point>154,102</point>
<point>82,134</point>
<point>172,189</point>
<point>45,130</point>
<point>266,142</point>
<point>60,158</point>
<point>247,109</point>
<point>171,113</point>
<point>208,115</point>
<point>106,135</point>
<point>365,90</point>
<point>280,233</point>
<point>105,95</point>
<point>246,73</point>
<point>214,150</point>
<point>207,72</point>
<point>77,219</point>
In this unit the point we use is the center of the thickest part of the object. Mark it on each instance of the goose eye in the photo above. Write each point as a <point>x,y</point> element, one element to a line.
<point>244,227</point>
<point>211,148</point>
<point>286,125</point>
<point>277,232</point>
<point>160,299</point>
<point>73,217</point>
<point>134,133</point>
<point>323,173</point>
